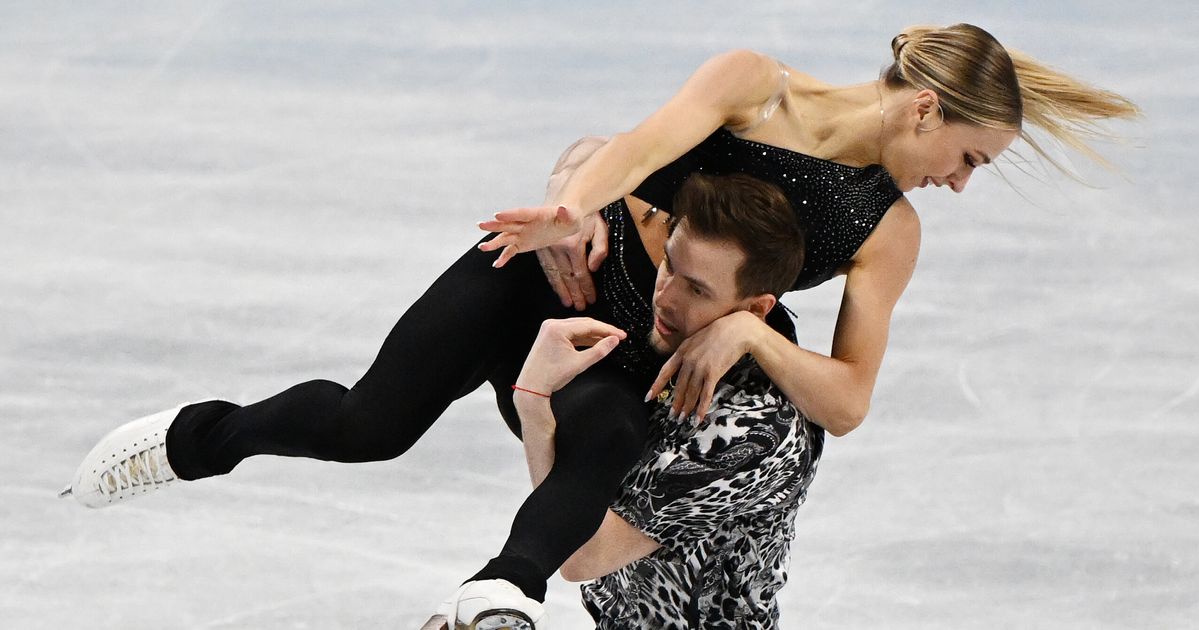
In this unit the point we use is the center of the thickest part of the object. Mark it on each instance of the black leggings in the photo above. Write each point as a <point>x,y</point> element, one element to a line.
<point>474,324</point>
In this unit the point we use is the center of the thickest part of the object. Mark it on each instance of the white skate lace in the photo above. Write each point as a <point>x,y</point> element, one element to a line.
<point>145,470</point>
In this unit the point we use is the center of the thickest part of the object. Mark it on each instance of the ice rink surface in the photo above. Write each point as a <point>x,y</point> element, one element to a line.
<point>228,198</point>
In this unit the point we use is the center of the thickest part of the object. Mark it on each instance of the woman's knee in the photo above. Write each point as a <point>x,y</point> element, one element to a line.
<point>604,422</point>
<point>361,429</point>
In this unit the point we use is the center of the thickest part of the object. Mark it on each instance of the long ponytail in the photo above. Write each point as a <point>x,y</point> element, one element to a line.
<point>981,82</point>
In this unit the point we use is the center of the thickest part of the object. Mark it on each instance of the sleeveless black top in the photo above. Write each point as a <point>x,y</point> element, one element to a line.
<point>838,205</point>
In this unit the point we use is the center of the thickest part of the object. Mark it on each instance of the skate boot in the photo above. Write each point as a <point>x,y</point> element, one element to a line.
<point>488,605</point>
<point>128,462</point>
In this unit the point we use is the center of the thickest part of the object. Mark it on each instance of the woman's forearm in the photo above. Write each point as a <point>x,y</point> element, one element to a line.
<point>830,392</point>
<point>613,171</point>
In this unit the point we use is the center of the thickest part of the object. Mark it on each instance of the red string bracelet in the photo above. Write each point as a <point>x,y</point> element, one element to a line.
<point>529,391</point>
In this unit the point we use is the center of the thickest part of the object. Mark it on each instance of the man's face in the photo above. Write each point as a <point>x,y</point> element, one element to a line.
<point>696,285</point>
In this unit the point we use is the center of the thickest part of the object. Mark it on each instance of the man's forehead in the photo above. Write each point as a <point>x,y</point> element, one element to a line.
<point>713,262</point>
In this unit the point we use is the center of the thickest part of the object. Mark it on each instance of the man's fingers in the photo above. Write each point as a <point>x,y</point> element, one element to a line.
<point>546,257</point>
<point>599,246</point>
<point>587,286</point>
<point>576,328</point>
<point>592,355</point>
<point>580,275</point>
<point>562,259</point>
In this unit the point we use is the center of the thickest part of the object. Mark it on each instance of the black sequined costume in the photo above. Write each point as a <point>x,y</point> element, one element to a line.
<point>838,205</point>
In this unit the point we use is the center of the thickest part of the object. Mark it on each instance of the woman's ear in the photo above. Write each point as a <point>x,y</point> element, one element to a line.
<point>929,114</point>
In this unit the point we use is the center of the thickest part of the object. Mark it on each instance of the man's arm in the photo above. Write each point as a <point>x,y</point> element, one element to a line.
<point>537,425</point>
<point>617,543</point>
<point>753,451</point>
<point>553,362</point>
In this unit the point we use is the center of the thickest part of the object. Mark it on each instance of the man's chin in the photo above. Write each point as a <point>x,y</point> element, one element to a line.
<point>660,345</point>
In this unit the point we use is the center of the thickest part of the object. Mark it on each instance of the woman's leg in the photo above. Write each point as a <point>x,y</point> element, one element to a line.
<point>602,428</point>
<point>442,348</point>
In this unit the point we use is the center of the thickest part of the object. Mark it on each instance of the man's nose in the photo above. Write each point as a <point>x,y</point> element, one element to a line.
<point>670,293</point>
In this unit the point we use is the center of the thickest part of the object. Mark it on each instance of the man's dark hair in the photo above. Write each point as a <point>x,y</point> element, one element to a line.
<point>753,214</point>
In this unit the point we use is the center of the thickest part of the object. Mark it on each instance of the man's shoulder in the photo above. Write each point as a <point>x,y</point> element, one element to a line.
<point>746,385</point>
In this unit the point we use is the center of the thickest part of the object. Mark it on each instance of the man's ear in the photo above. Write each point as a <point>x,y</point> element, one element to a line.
<point>760,305</point>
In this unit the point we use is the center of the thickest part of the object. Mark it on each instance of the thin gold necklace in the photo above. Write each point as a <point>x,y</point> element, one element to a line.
<point>882,118</point>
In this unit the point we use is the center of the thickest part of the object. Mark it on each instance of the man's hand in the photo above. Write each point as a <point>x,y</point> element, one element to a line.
<point>568,266</point>
<point>703,359</point>
<point>556,358</point>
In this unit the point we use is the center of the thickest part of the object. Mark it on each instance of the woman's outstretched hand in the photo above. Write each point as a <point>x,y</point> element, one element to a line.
<point>568,265</point>
<point>528,229</point>
<point>702,360</point>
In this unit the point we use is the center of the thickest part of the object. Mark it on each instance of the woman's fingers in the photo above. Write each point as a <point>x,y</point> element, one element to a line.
<point>506,255</point>
<point>705,398</point>
<point>682,383</point>
<point>664,375</point>
<point>524,215</point>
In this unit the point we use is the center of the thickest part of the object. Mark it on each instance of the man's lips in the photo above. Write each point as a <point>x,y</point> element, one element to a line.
<point>662,328</point>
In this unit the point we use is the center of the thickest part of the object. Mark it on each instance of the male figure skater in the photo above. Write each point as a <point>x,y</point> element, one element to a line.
<point>699,535</point>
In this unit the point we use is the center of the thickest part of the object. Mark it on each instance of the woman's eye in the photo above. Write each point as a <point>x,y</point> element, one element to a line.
<point>970,161</point>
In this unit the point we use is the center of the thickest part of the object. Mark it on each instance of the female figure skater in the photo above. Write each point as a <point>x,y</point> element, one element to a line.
<point>953,99</point>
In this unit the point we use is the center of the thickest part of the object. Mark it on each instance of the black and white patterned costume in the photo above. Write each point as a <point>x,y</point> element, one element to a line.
<point>721,498</point>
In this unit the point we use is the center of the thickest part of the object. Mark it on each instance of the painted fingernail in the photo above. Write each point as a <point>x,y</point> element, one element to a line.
<point>648,395</point>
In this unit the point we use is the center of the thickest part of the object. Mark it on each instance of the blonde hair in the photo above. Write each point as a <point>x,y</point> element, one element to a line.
<point>981,82</point>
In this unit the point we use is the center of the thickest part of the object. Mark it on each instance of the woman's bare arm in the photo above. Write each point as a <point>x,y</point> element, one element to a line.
<point>833,391</point>
<point>725,90</point>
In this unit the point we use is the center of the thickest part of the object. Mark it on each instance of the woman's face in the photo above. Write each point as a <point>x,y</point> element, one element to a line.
<point>945,156</point>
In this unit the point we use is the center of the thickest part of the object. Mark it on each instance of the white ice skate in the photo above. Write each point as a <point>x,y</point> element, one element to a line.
<point>128,462</point>
<point>488,605</point>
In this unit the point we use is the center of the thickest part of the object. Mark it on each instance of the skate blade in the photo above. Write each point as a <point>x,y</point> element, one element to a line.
<point>66,492</point>
<point>436,622</point>
<point>502,619</point>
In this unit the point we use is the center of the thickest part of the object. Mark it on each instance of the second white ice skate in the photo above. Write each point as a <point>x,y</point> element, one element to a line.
<point>488,605</point>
